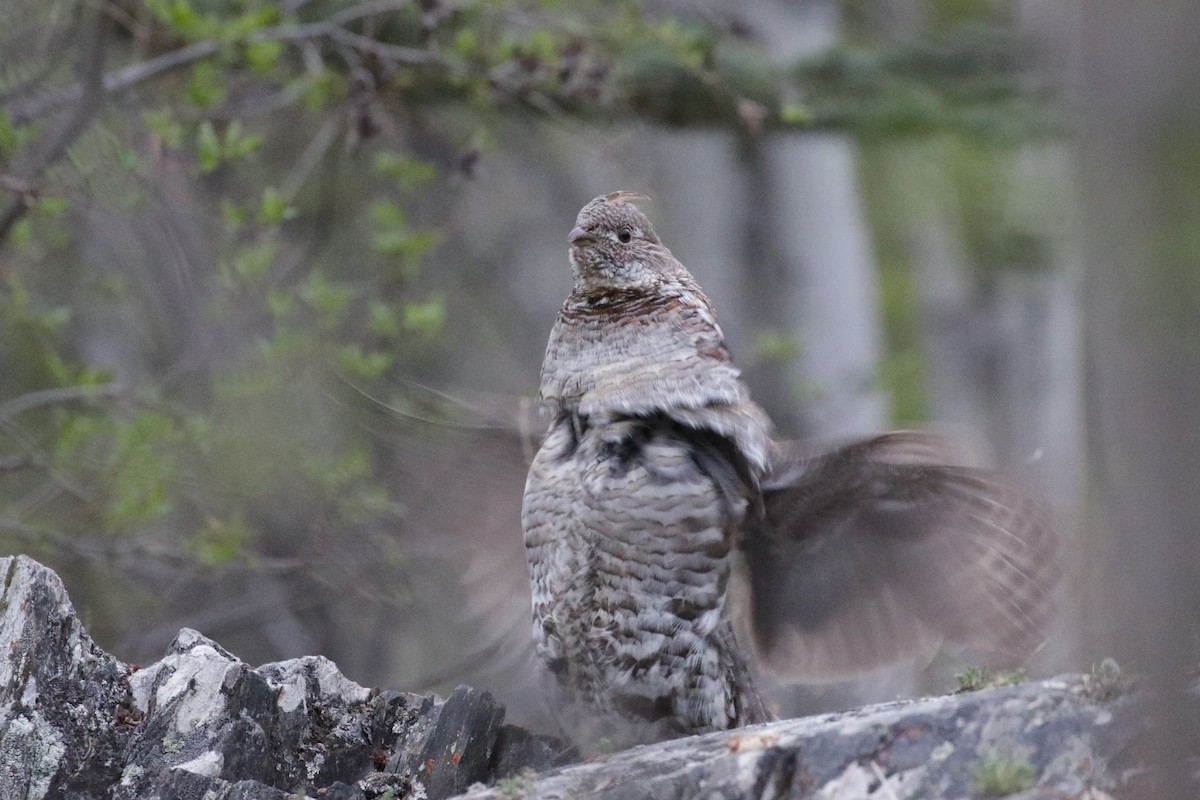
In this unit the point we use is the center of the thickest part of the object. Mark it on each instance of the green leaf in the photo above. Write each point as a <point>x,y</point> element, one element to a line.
<point>542,44</point>
<point>410,173</point>
<point>52,206</point>
<point>391,243</point>
<point>274,208</point>
<point>212,149</point>
<point>279,301</point>
<point>208,147</point>
<point>177,14</point>
<point>425,318</point>
<point>10,137</point>
<point>263,56</point>
<point>336,474</point>
<point>392,236</point>
<point>162,123</point>
<point>794,114</point>
<point>382,319</point>
<point>238,143</point>
<point>21,231</point>
<point>329,299</point>
<point>59,369</point>
<point>351,359</point>
<point>222,541</point>
<point>320,89</point>
<point>466,42</point>
<point>386,214</point>
<point>139,470</point>
<point>54,318</point>
<point>252,261</point>
<point>249,21</point>
<point>206,86</point>
<point>232,213</point>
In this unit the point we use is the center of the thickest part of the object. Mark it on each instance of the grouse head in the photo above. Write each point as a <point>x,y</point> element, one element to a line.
<point>613,246</point>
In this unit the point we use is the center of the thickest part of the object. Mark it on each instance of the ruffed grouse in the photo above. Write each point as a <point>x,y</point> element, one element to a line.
<point>658,470</point>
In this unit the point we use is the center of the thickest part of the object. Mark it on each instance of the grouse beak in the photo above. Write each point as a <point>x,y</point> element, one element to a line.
<point>578,236</point>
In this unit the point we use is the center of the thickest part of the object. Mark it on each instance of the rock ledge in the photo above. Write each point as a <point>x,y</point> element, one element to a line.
<point>199,723</point>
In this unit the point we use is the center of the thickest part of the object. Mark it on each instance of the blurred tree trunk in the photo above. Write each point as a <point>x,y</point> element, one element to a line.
<point>834,298</point>
<point>809,278</point>
<point>809,273</point>
<point>1140,189</point>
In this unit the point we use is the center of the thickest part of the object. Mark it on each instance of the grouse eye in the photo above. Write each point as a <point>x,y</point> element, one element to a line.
<point>624,235</point>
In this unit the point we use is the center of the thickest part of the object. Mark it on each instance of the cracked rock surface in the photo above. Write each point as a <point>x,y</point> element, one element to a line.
<point>1049,739</point>
<point>200,723</point>
<point>77,723</point>
<point>65,704</point>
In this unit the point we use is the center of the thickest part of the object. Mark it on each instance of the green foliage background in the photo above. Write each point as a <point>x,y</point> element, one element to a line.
<point>222,393</point>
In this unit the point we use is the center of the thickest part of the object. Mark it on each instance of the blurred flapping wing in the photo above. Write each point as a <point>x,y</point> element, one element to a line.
<point>880,550</point>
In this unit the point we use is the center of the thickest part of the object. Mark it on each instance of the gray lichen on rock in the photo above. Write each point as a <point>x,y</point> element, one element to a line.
<point>63,700</point>
<point>1049,737</point>
<point>77,723</point>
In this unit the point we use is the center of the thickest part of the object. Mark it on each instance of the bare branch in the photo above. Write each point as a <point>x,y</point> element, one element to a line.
<point>114,82</point>
<point>39,458</point>
<point>310,159</point>
<point>34,457</point>
<point>21,113</point>
<point>368,10</point>
<point>385,51</point>
<point>64,394</point>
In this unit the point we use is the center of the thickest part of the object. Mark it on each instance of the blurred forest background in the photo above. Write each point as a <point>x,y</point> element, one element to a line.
<point>276,278</point>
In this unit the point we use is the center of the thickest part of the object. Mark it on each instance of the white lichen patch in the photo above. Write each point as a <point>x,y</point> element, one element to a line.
<point>746,769</point>
<point>313,767</point>
<point>35,751</point>
<point>172,743</point>
<point>291,693</point>
<point>140,685</point>
<point>132,774</point>
<point>859,782</point>
<point>294,679</point>
<point>942,752</point>
<point>207,764</point>
<point>332,682</point>
<point>14,591</point>
<point>193,677</point>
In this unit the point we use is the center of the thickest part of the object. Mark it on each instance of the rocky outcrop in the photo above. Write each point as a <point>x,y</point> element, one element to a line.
<point>66,708</point>
<point>77,723</point>
<point>1051,739</point>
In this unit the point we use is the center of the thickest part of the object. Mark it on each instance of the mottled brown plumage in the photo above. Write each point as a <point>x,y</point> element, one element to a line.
<point>657,470</point>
